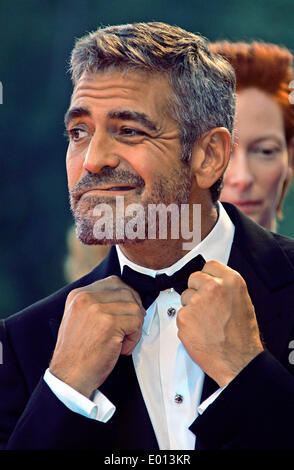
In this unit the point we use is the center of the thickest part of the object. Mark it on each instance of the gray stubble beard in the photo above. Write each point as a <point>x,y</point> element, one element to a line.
<point>175,190</point>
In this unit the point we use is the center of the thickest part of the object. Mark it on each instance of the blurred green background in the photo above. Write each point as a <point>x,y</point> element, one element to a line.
<point>36,38</point>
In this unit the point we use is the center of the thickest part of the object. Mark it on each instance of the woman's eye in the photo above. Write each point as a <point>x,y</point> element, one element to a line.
<point>266,151</point>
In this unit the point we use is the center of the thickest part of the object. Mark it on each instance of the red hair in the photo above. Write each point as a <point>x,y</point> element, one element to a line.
<point>264,66</point>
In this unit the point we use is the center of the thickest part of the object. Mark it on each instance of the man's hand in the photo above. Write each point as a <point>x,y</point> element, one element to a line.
<point>217,323</point>
<point>100,322</point>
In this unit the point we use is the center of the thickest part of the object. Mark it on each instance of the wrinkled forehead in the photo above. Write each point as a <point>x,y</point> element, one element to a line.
<point>132,78</point>
<point>144,90</point>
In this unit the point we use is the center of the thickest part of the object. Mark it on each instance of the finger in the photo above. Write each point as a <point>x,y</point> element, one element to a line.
<point>118,283</point>
<point>112,290</point>
<point>126,312</point>
<point>225,275</point>
<point>108,283</point>
<point>217,269</point>
<point>199,279</point>
<point>137,298</point>
<point>124,294</point>
<point>186,296</point>
<point>115,282</point>
<point>130,342</point>
<point>83,298</point>
<point>130,323</point>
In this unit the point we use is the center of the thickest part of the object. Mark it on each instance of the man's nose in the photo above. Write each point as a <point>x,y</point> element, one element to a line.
<point>100,153</point>
<point>239,172</point>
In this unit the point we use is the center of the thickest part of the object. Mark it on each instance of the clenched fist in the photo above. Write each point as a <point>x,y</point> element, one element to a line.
<point>100,322</point>
<point>217,322</point>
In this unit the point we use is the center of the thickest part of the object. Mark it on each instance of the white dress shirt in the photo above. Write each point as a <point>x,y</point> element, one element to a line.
<point>170,381</point>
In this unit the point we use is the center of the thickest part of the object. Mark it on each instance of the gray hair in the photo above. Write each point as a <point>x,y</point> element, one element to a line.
<point>203,82</point>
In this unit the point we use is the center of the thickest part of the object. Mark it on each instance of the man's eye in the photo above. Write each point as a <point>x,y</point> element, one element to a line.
<point>76,134</point>
<point>131,132</point>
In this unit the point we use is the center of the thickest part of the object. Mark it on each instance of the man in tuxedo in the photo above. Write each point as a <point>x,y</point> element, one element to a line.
<point>160,346</point>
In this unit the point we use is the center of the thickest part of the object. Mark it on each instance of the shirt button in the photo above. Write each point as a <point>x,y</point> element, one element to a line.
<point>179,398</point>
<point>171,311</point>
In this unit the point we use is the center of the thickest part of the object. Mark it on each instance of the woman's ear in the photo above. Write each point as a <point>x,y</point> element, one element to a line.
<point>289,176</point>
<point>211,156</point>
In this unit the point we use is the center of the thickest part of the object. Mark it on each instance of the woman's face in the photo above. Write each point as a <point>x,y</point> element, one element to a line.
<point>259,168</point>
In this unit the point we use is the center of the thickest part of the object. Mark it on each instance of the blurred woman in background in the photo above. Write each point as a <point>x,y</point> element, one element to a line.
<point>261,166</point>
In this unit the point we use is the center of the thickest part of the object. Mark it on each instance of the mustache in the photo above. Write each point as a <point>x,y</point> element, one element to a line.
<point>106,176</point>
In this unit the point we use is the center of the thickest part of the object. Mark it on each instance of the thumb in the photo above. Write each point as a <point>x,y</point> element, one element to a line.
<point>129,342</point>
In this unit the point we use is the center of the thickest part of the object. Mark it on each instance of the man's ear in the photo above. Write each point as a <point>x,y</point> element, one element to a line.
<point>211,156</point>
<point>289,176</point>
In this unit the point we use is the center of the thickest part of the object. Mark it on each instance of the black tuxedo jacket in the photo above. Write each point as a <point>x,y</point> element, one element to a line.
<point>255,411</point>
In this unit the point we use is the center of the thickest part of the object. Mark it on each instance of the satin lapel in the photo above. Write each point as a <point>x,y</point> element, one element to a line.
<point>256,247</point>
<point>109,266</point>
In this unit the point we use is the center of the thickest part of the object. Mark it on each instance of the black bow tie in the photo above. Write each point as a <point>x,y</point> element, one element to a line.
<point>149,287</point>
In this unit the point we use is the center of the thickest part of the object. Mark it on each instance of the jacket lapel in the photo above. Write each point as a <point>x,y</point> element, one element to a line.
<point>269,275</point>
<point>257,256</point>
<point>261,250</point>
